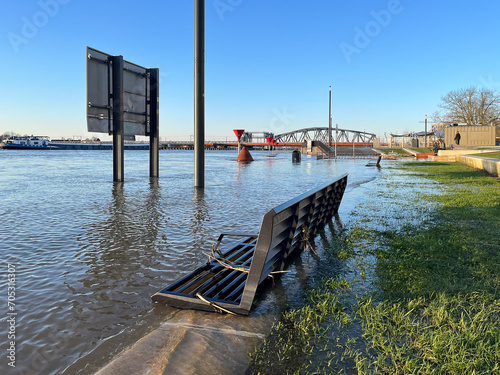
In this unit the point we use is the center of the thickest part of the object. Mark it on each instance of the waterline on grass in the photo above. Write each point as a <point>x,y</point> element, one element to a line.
<point>421,266</point>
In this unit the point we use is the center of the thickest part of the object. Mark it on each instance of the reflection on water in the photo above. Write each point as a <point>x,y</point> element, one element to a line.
<point>201,214</point>
<point>90,252</point>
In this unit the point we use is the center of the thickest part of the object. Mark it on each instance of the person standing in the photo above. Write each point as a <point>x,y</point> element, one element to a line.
<point>457,138</point>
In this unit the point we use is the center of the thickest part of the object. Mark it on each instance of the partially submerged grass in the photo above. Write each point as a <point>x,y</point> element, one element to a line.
<point>424,150</point>
<point>415,297</point>
<point>301,333</point>
<point>395,150</point>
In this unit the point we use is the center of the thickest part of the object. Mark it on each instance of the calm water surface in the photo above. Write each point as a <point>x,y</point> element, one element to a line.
<point>88,253</point>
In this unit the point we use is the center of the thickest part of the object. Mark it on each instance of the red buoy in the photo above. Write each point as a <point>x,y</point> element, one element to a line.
<point>244,155</point>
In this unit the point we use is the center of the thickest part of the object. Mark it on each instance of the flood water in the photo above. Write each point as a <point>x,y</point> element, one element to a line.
<point>88,253</point>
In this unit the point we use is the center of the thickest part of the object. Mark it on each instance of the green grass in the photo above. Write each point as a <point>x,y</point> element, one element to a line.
<point>424,150</point>
<point>445,334</point>
<point>438,306</point>
<point>395,150</point>
<point>495,155</point>
<point>302,332</point>
<point>421,287</point>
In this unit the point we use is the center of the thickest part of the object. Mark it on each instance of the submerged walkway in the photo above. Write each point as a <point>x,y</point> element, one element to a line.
<point>193,342</point>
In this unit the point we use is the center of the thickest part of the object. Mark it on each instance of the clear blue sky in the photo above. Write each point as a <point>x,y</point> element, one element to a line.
<point>268,62</point>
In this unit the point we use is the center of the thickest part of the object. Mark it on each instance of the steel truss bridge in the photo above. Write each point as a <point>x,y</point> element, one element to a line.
<point>321,134</point>
<point>343,136</point>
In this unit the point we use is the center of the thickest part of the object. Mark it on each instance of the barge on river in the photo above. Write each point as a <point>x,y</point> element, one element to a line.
<point>27,143</point>
<point>44,143</point>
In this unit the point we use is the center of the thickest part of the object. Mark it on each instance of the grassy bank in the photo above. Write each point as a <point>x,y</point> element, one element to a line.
<point>420,289</point>
<point>399,151</point>
<point>422,149</point>
<point>495,155</point>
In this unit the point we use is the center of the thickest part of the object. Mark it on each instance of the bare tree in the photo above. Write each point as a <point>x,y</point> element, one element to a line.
<point>471,105</point>
<point>7,135</point>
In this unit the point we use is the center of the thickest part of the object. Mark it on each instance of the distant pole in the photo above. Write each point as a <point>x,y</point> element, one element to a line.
<point>330,118</point>
<point>118,130</point>
<point>425,136</point>
<point>199,93</point>
<point>336,137</point>
<point>353,147</point>
<point>154,142</point>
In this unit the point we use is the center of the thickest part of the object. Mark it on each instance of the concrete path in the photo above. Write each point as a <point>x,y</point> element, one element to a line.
<point>193,342</point>
<point>490,165</point>
<point>451,155</point>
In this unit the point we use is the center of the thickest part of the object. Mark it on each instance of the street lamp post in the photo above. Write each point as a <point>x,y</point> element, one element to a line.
<point>199,93</point>
<point>336,137</point>
<point>330,118</point>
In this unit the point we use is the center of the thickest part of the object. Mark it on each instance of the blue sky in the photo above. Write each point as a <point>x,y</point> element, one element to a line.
<point>268,62</point>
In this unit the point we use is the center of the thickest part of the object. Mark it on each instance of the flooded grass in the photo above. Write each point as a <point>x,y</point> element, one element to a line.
<point>422,149</point>
<point>395,150</point>
<point>420,288</point>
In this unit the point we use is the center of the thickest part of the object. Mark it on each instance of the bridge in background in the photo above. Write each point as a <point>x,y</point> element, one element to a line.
<point>294,138</point>
<point>315,134</point>
<point>321,134</point>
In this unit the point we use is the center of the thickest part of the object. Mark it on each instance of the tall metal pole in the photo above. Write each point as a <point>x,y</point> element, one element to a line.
<point>336,137</point>
<point>425,137</point>
<point>330,117</point>
<point>154,104</point>
<point>199,93</point>
<point>118,129</point>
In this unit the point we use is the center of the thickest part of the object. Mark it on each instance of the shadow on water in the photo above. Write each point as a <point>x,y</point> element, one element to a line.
<point>200,214</point>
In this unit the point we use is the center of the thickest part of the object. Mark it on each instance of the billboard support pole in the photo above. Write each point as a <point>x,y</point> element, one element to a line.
<point>123,100</point>
<point>199,93</point>
<point>154,142</point>
<point>118,130</point>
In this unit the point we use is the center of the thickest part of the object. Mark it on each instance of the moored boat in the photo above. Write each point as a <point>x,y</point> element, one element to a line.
<point>27,143</point>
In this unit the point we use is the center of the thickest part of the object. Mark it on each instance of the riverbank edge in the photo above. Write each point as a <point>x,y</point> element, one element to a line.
<point>151,355</point>
<point>490,165</point>
<point>337,335</point>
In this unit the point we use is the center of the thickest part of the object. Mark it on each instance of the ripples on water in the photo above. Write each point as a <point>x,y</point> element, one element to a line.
<point>89,253</point>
